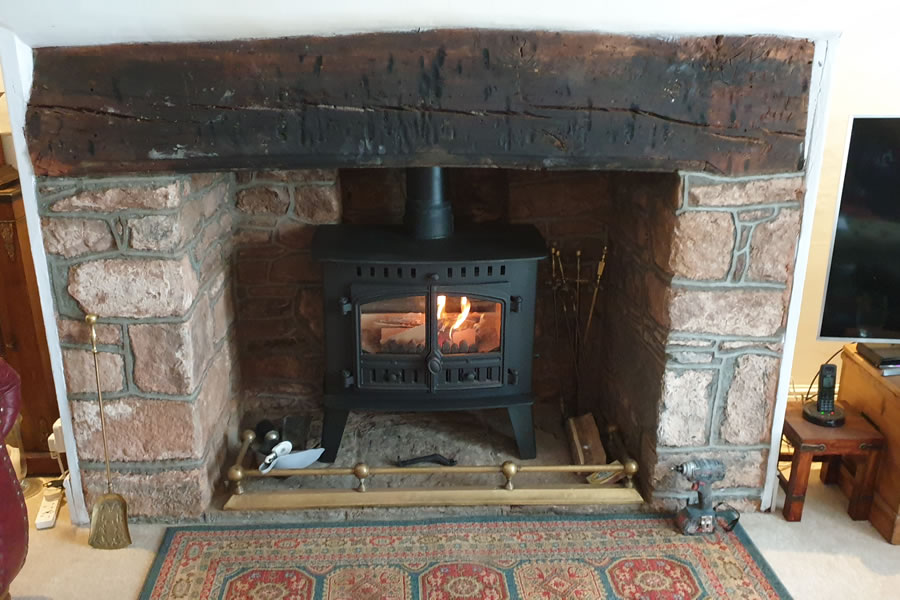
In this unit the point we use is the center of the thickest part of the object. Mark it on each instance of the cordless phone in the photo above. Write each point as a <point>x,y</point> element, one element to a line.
<point>823,411</point>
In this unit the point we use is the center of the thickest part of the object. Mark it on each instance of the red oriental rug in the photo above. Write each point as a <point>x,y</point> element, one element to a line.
<point>517,558</point>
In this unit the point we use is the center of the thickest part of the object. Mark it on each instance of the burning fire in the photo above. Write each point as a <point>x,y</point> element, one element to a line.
<point>442,301</point>
<point>464,308</point>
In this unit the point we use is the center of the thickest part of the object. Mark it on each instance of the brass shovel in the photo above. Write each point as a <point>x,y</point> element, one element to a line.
<point>109,518</point>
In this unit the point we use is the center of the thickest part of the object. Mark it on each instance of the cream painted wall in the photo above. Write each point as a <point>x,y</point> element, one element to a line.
<point>866,81</point>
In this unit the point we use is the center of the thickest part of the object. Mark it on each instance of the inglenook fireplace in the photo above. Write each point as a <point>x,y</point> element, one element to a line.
<point>422,318</point>
<point>179,187</point>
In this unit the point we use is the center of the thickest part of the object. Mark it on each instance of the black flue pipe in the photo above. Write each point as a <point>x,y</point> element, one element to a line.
<point>428,214</point>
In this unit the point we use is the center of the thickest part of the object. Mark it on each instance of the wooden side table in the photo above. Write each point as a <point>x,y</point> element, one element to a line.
<point>856,438</point>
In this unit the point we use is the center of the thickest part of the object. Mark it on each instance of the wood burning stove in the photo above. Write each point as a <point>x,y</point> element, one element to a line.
<point>422,318</point>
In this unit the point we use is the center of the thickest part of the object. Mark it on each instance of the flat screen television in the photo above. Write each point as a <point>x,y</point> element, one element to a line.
<point>862,292</point>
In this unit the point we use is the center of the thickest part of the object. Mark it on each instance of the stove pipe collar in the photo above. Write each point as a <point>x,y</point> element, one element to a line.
<point>428,214</point>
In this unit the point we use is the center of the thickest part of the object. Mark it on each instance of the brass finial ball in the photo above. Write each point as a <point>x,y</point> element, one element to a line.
<point>236,473</point>
<point>90,319</point>
<point>248,436</point>
<point>510,469</point>
<point>631,466</point>
<point>361,470</point>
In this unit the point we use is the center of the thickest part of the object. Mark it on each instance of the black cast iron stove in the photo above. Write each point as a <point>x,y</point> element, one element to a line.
<point>422,318</point>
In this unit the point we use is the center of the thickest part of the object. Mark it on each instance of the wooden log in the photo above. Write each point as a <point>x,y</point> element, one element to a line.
<point>732,105</point>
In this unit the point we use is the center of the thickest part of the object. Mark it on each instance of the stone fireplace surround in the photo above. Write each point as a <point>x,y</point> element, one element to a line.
<point>222,322</point>
<point>200,271</point>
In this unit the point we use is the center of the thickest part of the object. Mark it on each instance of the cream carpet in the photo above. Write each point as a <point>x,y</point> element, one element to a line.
<point>826,556</point>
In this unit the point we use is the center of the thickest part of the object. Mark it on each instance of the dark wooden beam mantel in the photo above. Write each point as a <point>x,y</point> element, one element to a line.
<point>730,105</point>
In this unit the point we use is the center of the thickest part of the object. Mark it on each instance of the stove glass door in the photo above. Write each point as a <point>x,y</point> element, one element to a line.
<point>467,324</point>
<point>393,325</point>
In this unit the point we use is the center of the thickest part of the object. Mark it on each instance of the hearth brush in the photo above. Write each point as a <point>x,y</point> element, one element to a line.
<point>109,518</point>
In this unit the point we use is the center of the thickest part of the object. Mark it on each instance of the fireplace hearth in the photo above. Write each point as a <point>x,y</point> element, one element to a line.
<point>425,318</point>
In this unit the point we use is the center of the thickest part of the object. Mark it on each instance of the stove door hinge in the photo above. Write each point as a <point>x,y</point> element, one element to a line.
<point>515,303</point>
<point>512,376</point>
<point>347,378</point>
<point>345,305</point>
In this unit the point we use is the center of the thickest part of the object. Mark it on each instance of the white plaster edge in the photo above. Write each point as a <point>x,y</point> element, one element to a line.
<point>817,121</point>
<point>18,65</point>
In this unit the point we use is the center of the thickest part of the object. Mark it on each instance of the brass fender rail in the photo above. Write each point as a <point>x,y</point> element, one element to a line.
<point>238,473</point>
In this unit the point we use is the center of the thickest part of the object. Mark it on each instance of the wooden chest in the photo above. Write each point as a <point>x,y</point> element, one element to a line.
<point>864,388</point>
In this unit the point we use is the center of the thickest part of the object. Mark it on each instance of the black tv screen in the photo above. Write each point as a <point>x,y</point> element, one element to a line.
<point>862,296</point>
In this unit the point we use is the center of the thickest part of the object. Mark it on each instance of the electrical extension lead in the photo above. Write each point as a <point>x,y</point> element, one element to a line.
<point>49,510</point>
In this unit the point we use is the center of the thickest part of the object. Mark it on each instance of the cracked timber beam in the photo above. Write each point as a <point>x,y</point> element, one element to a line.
<point>728,105</point>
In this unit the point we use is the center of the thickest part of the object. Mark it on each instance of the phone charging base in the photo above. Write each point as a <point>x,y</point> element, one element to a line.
<point>833,418</point>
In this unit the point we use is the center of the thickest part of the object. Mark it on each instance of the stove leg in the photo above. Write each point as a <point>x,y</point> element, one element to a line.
<point>523,428</point>
<point>332,432</point>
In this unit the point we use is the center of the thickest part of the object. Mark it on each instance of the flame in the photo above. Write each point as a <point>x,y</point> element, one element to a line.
<point>464,307</point>
<point>442,301</point>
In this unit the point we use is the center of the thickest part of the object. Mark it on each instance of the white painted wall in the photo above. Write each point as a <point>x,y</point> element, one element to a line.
<point>17,72</point>
<point>70,22</point>
<point>866,82</point>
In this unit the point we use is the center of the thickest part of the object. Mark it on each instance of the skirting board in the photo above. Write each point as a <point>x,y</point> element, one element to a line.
<point>450,496</point>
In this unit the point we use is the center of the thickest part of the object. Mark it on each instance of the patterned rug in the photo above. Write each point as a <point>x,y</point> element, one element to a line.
<point>517,558</point>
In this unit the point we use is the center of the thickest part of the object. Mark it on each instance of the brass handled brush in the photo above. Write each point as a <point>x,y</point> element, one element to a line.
<point>109,517</point>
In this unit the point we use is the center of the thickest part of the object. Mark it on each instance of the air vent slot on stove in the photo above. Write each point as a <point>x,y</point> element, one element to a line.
<point>382,273</point>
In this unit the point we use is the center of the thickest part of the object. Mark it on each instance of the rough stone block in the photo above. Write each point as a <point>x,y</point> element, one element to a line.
<point>748,216</point>
<point>74,237</point>
<point>213,231</point>
<point>289,176</point>
<point>138,429</point>
<point>691,357</point>
<point>165,233</point>
<point>223,314</point>
<point>686,400</point>
<point>215,396</point>
<point>711,192</point>
<point>176,493</point>
<point>138,288</point>
<point>245,236</point>
<point>150,196</point>
<point>657,298</point>
<point>80,377</point>
<point>773,248</point>
<point>77,332</point>
<point>318,204</point>
<point>199,181</point>
<point>727,311</point>
<point>264,200</point>
<point>702,245</point>
<point>747,418</point>
<point>169,358</point>
<point>742,469</point>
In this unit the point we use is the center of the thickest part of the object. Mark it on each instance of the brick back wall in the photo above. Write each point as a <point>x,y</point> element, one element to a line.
<point>625,357</point>
<point>278,287</point>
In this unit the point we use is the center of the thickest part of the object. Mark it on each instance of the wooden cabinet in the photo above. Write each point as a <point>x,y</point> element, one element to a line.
<point>23,342</point>
<point>864,388</point>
